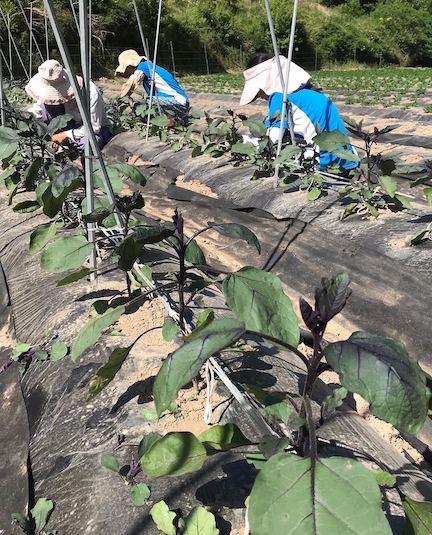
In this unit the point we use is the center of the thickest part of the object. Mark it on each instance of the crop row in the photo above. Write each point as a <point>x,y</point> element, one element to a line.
<point>400,87</point>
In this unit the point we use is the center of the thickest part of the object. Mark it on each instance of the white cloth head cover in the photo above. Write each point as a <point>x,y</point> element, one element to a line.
<point>51,84</point>
<point>265,77</point>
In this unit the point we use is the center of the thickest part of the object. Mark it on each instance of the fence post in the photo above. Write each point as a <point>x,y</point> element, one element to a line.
<point>172,57</point>
<point>355,57</point>
<point>380,60</point>
<point>316,58</point>
<point>206,60</point>
<point>2,96</point>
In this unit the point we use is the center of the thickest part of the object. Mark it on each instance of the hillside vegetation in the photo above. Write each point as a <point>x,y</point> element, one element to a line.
<point>374,32</point>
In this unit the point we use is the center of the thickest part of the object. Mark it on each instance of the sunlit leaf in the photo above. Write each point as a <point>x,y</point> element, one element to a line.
<point>139,494</point>
<point>200,522</point>
<point>294,495</point>
<point>257,298</point>
<point>418,519</point>
<point>91,331</point>
<point>110,462</point>
<point>65,253</point>
<point>173,455</point>
<point>41,513</point>
<point>163,518</point>
<point>183,365</point>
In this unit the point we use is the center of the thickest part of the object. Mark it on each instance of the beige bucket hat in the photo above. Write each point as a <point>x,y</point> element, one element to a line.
<point>128,58</point>
<point>51,84</point>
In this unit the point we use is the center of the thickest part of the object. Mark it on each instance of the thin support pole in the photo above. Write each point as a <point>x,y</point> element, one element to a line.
<point>6,63</point>
<point>88,161</point>
<point>152,82</point>
<point>2,96</point>
<point>29,23</point>
<point>67,61</point>
<point>74,15</point>
<point>150,66</point>
<point>12,40</point>
<point>172,57</point>
<point>30,26</point>
<point>46,36</point>
<point>285,96</point>
<point>9,43</point>
<point>206,60</point>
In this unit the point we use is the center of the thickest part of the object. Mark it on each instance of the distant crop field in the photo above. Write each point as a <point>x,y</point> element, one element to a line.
<point>392,86</point>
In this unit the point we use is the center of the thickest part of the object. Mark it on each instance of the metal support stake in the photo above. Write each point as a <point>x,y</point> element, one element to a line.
<point>2,96</point>
<point>12,41</point>
<point>151,67</point>
<point>285,97</point>
<point>29,24</point>
<point>152,82</point>
<point>67,61</point>
<point>172,57</point>
<point>88,161</point>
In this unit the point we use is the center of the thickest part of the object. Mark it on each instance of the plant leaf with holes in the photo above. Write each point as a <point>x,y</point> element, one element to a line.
<point>379,369</point>
<point>183,365</point>
<point>257,298</point>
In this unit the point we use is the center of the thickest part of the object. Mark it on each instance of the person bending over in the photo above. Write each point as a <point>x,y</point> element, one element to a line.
<point>309,106</point>
<point>167,90</point>
<point>54,95</point>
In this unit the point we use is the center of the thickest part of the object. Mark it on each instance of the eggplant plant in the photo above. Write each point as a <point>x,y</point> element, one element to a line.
<point>298,488</point>
<point>372,185</point>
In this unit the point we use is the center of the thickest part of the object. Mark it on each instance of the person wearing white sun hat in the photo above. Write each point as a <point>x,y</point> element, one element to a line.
<point>51,88</point>
<point>309,106</point>
<point>138,69</point>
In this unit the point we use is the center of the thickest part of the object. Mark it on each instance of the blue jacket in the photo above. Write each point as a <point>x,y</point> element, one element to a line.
<point>310,108</point>
<point>165,85</point>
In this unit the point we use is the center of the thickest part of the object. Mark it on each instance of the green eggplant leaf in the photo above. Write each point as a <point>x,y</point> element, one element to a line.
<point>163,518</point>
<point>58,351</point>
<point>65,254</point>
<point>108,371</point>
<point>200,522</point>
<point>41,235</point>
<point>183,365</point>
<point>257,298</point>
<point>110,462</point>
<point>379,369</point>
<point>234,230</point>
<point>139,494</point>
<point>128,252</point>
<point>173,455</point>
<point>92,330</point>
<point>294,495</point>
<point>132,172</point>
<point>223,437</point>
<point>41,513</point>
<point>75,276</point>
<point>418,517</point>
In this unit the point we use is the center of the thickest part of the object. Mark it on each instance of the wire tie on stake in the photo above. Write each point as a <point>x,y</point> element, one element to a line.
<point>210,379</point>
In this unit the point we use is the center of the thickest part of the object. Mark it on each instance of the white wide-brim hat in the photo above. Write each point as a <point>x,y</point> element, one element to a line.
<point>129,58</point>
<point>265,77</point>
<point>51,84</point>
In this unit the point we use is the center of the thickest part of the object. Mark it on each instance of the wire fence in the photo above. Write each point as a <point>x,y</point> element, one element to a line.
<point>22,65</point>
